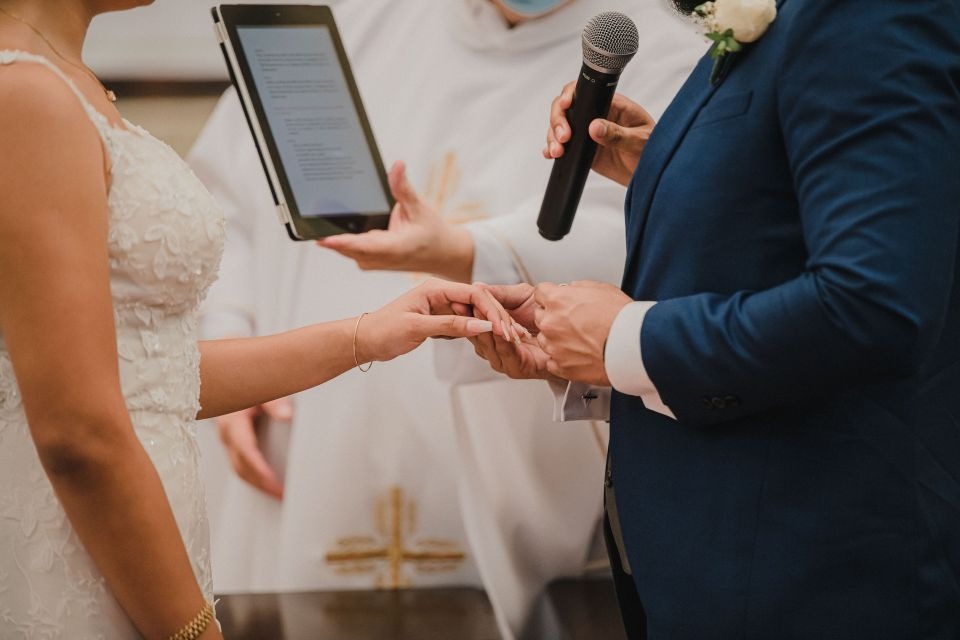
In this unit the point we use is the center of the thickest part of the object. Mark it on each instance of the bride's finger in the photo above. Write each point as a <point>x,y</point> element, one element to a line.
<point>442,293</point>
<point>425,326</point>
<point>522,330</point>
<point>510,332</point>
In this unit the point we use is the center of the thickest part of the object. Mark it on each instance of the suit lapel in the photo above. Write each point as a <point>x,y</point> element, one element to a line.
<point>668,135</point>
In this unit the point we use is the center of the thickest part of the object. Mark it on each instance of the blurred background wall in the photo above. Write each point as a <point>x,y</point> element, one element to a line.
<point>168,40</point>
<point>164,64</point>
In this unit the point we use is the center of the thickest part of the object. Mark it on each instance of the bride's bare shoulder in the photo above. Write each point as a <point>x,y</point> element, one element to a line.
<point>48,137</point>
<point>37,106</point>
<point>53,156</point>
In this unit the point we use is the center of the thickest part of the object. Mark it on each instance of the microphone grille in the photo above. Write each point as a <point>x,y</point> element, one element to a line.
<point>610,40</point>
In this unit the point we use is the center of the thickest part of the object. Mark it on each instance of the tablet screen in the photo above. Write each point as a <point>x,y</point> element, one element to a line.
<point>315,126</point>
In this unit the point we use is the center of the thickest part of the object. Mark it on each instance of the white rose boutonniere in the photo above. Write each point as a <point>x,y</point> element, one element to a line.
<point>734,23</point>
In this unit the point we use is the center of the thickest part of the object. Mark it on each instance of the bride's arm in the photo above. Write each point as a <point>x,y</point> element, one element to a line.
<point>244,372</point>
<point>56,317</point>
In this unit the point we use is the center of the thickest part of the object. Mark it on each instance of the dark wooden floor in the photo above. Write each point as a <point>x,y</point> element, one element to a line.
<point>568,610</point>
<point>420,614</point>
<point>576,610</point>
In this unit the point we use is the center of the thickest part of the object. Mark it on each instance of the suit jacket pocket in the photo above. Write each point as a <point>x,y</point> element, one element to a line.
<point>724,108</point>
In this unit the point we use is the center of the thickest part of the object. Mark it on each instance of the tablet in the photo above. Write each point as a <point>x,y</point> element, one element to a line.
<point>300,99</point>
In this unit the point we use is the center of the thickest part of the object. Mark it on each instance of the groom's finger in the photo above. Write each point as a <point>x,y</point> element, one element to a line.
<point>510,296</point>
<point>486,349</point>
<point>462,309</point>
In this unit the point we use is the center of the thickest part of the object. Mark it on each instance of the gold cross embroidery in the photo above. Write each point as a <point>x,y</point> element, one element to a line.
<point>443,182</point>
<point>396,520</point>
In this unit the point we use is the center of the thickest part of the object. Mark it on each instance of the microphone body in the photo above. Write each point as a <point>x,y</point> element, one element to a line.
<point>610,40</point>
<point>591,99</point>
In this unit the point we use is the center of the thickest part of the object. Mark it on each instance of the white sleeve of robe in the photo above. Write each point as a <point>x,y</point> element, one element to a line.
<point>509,250</point>
<point>230,307</point>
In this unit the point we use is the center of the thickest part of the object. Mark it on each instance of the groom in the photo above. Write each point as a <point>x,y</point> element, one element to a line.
<point>785,447</point>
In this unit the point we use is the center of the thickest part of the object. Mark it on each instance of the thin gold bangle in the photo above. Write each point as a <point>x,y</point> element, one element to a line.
<point>195,628</point>
<point>356,330</point>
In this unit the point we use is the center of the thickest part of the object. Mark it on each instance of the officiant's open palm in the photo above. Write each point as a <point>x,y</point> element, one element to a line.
<point>418,238</point>
<point>621,137</point>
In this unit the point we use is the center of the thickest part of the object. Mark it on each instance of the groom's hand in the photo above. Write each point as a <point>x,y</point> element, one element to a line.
<point>524,361</point>
<point>517,300</point>
<point>574,322</point>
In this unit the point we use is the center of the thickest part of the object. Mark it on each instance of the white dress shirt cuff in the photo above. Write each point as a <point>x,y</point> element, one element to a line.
<point>492,261</point>
<point>624,362</point>
<point>578,401</point>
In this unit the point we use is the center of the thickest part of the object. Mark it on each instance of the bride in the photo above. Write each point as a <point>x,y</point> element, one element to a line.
<point>107,246</point>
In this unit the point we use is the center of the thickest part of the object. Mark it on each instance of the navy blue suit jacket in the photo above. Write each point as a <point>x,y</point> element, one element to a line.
<point>798,224</point>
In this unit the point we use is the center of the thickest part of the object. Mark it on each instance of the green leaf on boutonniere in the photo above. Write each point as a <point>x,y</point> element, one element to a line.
<point>723,44</point>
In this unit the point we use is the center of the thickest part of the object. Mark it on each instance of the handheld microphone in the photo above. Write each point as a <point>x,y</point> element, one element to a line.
<point>610,40</point>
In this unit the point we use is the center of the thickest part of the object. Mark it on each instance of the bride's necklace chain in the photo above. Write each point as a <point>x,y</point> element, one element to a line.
<point>111,96</point>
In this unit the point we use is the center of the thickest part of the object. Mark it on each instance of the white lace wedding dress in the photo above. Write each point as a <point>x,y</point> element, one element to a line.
<point>165,239</point>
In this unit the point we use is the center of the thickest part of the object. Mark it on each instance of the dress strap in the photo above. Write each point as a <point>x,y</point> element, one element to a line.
<point>10,56</point>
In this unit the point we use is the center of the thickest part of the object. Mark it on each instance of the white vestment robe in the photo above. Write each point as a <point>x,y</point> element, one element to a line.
<point>451,460</point>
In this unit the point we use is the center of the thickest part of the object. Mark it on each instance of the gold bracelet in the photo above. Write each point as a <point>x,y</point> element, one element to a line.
<point>356,330</point>
<point>195,628</point>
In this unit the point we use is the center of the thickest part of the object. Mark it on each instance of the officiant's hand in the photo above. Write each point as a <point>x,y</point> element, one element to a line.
<point>435,309</point>
<point>621,137</point>
<point>238,434</point>
<point>418,238</point>
<point>574,322</point>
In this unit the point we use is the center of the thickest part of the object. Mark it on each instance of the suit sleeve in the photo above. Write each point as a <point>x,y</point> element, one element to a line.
<point>229,307</point>
<point>870,116</point>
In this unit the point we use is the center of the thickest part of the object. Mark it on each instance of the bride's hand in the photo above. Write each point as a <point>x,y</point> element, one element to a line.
<point>435,309</point>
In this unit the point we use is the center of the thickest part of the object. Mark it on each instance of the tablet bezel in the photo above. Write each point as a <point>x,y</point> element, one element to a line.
<point>232,16</point>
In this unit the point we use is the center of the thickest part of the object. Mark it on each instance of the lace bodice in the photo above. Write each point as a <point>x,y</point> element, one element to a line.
<point>165,240</point>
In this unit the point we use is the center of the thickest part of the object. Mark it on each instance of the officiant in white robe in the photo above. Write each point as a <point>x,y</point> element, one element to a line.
<point>399,461</point>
